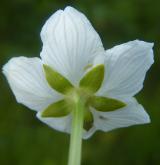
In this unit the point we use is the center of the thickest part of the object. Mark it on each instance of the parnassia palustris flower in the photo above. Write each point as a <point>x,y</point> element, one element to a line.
<point>73,61</point>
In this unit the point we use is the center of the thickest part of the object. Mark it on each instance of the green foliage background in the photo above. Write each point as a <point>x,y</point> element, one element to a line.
<point>26,141</point>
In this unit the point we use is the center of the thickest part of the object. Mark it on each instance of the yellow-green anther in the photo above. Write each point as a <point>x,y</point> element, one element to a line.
<point>56,80</point>
<point>93,79</point>
<point>58,109</point>
<point>105,104</point>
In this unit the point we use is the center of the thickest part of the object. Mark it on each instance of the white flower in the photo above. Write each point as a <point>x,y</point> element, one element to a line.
<point>70,43</point>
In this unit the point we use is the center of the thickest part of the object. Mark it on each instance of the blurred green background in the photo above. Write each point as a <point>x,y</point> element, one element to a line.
<point>26,141</point>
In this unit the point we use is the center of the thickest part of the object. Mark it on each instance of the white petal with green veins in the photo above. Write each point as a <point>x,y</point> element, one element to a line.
<point>126,67</point>
<point>69,43</point>
<point>28,83</point>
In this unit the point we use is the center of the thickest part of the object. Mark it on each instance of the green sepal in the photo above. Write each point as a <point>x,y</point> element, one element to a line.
<point>105,104</point>
<point>58,109</point>
<point>88,120</point>
<point>93,79</point>
<point>56,80</point>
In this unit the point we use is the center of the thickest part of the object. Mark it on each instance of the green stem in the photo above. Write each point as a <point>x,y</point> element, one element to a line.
<point>76,133</point>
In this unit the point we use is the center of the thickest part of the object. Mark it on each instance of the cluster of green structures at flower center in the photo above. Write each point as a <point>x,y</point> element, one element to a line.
<point>88,86</point>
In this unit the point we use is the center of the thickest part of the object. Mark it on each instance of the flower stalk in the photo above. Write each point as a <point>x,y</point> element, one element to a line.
<point>76,132</point>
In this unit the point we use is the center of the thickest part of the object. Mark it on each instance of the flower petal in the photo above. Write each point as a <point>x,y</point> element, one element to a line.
<point>62,124</point>
<point>89,133</point>
<point>28,83</point>
<point>69,43</point>
<point>130,115</point>
<point>126,66</point>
